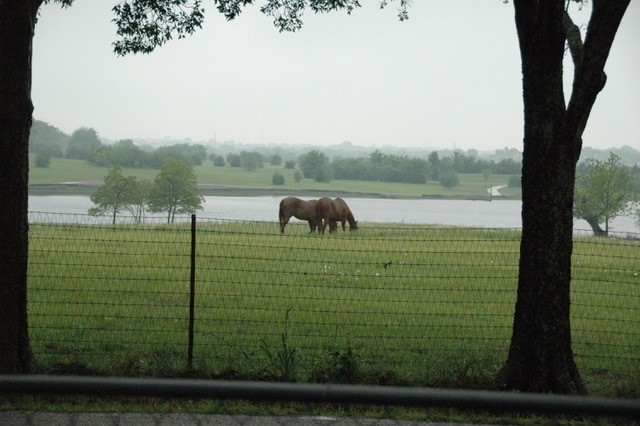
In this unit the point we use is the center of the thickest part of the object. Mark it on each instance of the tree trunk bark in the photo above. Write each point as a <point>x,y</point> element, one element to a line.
<point>595,226</point>
<point>17,20</point>
<point>540,356</point>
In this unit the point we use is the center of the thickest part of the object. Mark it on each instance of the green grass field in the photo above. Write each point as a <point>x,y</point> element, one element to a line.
<point>389,304</point>
<point>65,170</point>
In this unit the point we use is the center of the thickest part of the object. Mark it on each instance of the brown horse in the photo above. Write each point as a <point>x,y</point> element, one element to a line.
<point>330,212</point>
<point>300,209</point>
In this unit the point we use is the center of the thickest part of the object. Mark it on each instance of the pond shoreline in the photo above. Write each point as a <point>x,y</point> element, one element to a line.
<point>503,213</point>
<point>87,188</point>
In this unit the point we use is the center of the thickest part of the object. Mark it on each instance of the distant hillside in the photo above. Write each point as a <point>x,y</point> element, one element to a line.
<point>44,134</point>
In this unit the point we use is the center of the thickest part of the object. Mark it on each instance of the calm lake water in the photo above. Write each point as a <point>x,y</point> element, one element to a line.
<point>483,214</point>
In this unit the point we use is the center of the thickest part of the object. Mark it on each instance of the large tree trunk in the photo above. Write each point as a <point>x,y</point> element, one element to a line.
<point>540,356</point>
<point>17,19</point>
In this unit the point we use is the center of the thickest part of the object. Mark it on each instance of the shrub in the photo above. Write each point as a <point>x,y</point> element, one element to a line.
<point>277,179</point>
<point>234,160</point>
<point>449,178</point>
<point>43,159</point>
<point>218,161</point>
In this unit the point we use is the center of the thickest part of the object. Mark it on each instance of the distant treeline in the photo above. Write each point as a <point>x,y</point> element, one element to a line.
<point>397,168</point>
<point>47,141</point>
<point>84,144</point>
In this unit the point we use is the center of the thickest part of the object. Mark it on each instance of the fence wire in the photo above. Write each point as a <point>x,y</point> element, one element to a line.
<point>390,303</point>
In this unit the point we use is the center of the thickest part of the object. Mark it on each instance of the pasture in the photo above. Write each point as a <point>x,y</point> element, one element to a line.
<point>226,179</point>
<point>387,304</point>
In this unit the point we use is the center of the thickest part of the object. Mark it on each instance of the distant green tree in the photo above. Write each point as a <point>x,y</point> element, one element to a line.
<point>415,170</point>
<point>101,156</point>
<point>508,166</point>
<point>377,157</point>
<point>313,164</point>
<point>449,178</point>
<point>218,161</point>
<point>465,163</point>
<point>83,143</point>
<point>159,156</point>
<point>138,201</point>
<point>275,160</point>
<point>434,165</point>
<point>277,179</point>
<point>193,155</point>
<point>234,160</point>
<point>356,169</point>
<point>116,193</point>
<point>381,167</point>
<point>297,175</point>
<point>45,138</point>
<point>196,153</point>
<point>126,153</point>
<point>486,174</point>
<point>603,191</point>
<point>175,190</point>
<point>289,164</point>
<point>43,159</point>
<point>251,160</point>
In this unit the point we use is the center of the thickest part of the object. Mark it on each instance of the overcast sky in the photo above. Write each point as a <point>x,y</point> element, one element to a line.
<point>448,77</point>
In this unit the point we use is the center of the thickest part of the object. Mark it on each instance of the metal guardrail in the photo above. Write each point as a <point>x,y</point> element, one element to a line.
<point>334,393</point>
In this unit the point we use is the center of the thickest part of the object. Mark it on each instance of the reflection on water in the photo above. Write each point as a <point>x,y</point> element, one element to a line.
<point>485,214</point>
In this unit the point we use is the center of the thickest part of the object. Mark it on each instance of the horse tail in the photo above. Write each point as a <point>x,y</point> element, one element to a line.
<point>281,213</point>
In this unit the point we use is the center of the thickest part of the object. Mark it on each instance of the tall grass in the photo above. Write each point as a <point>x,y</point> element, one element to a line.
<point>385,304</point>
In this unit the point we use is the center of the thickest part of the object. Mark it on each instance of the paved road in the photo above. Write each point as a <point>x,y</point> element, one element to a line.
<point>22,418</point>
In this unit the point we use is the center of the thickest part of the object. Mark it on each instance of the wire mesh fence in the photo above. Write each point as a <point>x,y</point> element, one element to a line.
<point>400,304</point>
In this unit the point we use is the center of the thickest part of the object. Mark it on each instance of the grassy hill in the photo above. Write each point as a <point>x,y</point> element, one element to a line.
<point>66,176</point>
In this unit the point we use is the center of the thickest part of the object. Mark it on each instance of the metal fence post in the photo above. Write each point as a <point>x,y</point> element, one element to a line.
<point>192,292</point>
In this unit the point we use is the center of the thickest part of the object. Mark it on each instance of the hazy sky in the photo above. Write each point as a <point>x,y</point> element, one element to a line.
<point>449,76</point>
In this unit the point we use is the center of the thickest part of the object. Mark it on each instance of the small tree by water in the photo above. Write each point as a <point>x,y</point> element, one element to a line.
<point>175,190</point>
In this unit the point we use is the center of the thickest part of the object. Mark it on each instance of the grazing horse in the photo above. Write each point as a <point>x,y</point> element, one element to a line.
<point>300,209</point>
<point>330,212</point>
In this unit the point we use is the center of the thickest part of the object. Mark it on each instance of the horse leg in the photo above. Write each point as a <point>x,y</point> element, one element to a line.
<point>312,226</point>
<point>283,223</point>
<point>343,223</point>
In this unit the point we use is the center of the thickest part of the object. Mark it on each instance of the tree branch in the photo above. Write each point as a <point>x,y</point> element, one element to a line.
<point>590,59</point>
<point>574,39</point>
